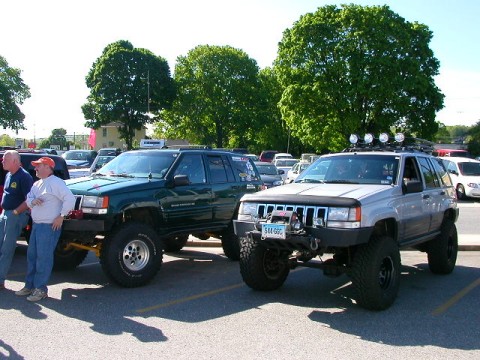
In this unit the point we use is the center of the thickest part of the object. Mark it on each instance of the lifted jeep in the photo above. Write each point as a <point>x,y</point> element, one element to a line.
<point>145,202</point>
<point>362,206</point>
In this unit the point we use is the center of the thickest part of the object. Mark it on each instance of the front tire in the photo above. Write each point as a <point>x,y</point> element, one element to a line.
<point>442,251</point>
<point>376,273</point>
<point>132,255</point>
<point>262,268</point>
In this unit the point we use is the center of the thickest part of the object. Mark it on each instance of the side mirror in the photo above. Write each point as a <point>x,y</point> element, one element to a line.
<point>181,180</point>
<point>281,172</point>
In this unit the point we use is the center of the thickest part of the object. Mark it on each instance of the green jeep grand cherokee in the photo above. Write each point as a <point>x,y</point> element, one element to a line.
<point>145,202</point>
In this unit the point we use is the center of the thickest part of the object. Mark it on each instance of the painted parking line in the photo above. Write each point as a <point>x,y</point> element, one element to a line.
<point>452,301</point>
<point>189,298</point>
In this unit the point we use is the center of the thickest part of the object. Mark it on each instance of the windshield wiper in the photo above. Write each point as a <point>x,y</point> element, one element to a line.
<point>341,181</point>
<point>125,175</point>
<point>314,181</point>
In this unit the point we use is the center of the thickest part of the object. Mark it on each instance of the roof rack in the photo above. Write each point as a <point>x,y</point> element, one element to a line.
<point>400,143</point>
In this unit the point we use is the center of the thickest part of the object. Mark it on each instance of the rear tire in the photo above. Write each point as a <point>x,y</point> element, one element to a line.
<point>376,273</point>
<point>442,251</point>
<point>230,244</point>
<point>132,256</point>
<point>262,268</point>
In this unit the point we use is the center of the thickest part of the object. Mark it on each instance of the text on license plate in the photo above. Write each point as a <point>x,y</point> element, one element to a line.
<point>276,231</point>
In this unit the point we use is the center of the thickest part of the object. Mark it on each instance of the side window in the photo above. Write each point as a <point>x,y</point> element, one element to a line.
<point>410,172</point>
<point>431,181</point>
<point>441,171</point>
<point>192,166</point>
<point>217,169</point>
<point>244,169</point>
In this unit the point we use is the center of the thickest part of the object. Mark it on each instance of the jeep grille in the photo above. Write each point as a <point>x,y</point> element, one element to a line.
<point>306,213</point>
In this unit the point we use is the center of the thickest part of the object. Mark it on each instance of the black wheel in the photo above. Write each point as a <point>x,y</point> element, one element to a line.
<point>262,268</point>
<point>461,192</point>
<point>67,258</point>
<point>175,243</point>
<point>442,251</point>
<point>132,256</point>
<point>376,273</point>
<point>230,244</point>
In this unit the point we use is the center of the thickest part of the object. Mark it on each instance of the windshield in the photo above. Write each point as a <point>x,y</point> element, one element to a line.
<point>77,155</point>
<point>267,169</point>
<point>352,169</point>
<point>139,164</point>
<point>286,162</point>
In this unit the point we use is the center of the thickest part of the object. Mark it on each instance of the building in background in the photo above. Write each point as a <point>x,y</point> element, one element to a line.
<point>108,136</point>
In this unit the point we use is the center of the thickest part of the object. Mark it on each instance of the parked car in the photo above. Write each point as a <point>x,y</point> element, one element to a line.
<point>465,174</point>
<point>285,164</point>
<point>271,176</point>
<point>282,156</point>
<point>253,157</point>
<point>362,217</point>
<point>296,170</point>
<point>451,153</point>
<point>79,158</point>
<point>267,155</point>
<point>99,162</point>
<point>26,158</point>
<point>145,202</point>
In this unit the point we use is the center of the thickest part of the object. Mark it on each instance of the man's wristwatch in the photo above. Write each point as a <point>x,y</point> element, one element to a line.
<point>15,212</point>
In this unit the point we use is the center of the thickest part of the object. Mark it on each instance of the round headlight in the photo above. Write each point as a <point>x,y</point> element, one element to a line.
<point>353,139</point>
<point>368,138</point>
<point>383,138</point>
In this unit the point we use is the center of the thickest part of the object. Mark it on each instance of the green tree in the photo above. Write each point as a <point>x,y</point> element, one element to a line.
<point>13,92</point>
<point>6,140</point>
<point>357,69</point>
<point>127,86</point>
<point>56,138</point>
<point>218,97</point>
<point>474,136</point>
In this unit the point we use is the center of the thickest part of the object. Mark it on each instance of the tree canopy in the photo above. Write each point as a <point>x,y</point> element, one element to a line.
<point>127,86</point>
<point>218,97</point>
<point>13,92</point>
<point>357,69</point>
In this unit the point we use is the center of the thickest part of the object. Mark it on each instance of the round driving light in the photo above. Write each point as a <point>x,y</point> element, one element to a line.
<point>383,138</point>
<point>353,139</point>
<point>399,137</point>
<point>368,138</point>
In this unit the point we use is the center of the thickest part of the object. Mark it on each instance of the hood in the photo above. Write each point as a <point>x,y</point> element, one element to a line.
<point>352,191</point>
<point>109,185</point>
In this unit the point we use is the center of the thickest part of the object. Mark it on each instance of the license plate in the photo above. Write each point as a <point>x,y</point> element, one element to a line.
<point>275,231</point>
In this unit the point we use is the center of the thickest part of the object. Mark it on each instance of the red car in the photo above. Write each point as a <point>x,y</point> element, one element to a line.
<point>267,155</point>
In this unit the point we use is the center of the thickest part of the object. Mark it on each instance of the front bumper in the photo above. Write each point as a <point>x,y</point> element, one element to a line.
<point>313,237</point>
<point>86,225</point>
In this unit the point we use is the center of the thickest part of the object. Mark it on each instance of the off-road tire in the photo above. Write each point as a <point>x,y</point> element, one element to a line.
<point>376,273</point>
<point>175,243</point>
<point>230,244</point>
<point>262,268</point>
<point>442,251</point>
<point>132,255</point>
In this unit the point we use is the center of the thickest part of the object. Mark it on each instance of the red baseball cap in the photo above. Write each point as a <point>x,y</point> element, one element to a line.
<point>44,160</point>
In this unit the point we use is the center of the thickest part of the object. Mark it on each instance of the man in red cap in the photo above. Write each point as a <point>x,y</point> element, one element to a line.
<point>50,200</point>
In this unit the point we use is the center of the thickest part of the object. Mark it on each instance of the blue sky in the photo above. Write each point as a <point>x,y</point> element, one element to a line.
<point>55,42</point>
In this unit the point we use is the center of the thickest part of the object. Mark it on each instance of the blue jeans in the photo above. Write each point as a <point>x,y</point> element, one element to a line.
<point>11,226</point>
<point>41,246</point>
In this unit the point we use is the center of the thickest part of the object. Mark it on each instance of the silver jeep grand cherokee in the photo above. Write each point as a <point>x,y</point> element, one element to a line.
<point>362,206</point>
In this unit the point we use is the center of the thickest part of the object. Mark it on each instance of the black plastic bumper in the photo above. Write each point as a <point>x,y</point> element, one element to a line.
<point>85,225</point>
<point>323,237</point>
